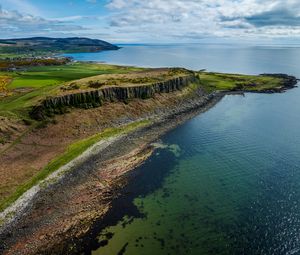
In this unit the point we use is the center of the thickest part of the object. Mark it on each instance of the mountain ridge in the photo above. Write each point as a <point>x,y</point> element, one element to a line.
<point>53,45</point>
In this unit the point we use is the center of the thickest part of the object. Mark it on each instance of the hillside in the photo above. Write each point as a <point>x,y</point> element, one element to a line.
<point>40,45</point>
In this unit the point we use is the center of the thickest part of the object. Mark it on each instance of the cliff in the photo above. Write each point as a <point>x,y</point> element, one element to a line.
<point>95,98</point>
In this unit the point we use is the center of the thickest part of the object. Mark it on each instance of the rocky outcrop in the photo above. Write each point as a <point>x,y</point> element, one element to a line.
<point>94,98</point>
<point>288,82</point>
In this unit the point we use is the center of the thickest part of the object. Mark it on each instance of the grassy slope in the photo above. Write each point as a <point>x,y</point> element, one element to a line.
<point>40,81</point>
<point>73,151</point>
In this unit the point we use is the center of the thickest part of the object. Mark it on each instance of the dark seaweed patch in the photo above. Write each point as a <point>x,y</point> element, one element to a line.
<point>142,181</point>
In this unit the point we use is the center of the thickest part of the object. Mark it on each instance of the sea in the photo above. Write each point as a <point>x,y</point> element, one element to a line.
<point>226,181</point>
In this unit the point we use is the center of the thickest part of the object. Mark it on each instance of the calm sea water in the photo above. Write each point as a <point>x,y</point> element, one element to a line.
<point>228,181</point>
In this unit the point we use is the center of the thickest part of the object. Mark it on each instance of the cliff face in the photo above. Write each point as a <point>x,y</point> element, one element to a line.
<point>94,98</point>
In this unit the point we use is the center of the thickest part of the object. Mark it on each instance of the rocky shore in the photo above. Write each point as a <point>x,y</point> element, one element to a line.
<point>56,218</point>
<point>289,82</point>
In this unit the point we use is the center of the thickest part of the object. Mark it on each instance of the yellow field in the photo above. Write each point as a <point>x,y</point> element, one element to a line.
<point>4,81</point>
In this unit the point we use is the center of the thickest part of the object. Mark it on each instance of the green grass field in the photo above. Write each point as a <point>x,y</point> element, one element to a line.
<point>29,86</point>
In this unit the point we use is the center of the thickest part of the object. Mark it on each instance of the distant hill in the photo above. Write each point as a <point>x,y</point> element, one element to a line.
<point>40,45</point>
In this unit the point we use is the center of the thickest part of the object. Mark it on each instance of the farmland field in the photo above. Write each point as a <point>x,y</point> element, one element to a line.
<point>28,86</point>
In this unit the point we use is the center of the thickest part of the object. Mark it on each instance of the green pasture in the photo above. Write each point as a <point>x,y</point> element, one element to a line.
<point>30,85</point>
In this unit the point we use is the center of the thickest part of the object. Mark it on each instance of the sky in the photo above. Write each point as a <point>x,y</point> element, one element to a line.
<point>154,21</point>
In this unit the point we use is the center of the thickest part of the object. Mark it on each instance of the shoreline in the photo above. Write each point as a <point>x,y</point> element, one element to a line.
<point>116,158</point>
<point>56,218</point>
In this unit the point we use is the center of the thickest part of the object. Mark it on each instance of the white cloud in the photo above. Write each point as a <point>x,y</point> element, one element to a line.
<point>23,6</point>
<point>13,23</point>
<point>69,18</point>
<point>200,19</point>
<point>163,20</point>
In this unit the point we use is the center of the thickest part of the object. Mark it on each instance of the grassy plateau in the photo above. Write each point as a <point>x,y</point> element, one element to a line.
<point>27,87</point>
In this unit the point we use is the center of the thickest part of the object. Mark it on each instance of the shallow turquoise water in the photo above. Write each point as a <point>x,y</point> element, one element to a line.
<point>229,180</point>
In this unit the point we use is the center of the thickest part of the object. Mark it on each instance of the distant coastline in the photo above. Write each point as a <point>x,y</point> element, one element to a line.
<point>45,46</point>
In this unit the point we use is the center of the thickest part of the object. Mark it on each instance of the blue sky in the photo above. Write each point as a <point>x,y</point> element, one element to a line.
<point>154,21</point>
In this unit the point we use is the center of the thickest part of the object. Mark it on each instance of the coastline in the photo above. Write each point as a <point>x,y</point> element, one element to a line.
<point>110,163</point>
<point>54,219</point>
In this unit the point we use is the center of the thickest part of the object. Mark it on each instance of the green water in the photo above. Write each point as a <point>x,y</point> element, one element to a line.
<point>180,216</point>
<point>227,181</point>
<point>233,188</point>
